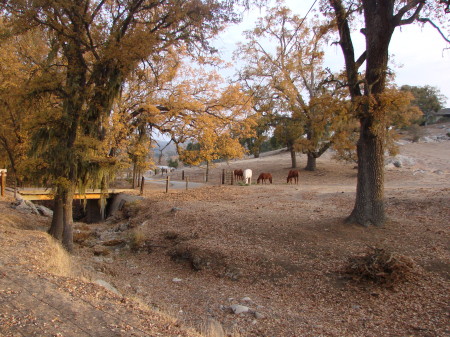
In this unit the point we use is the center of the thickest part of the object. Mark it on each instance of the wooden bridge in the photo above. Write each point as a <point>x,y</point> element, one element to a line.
<point>88,194</point>
<point>95,210</point>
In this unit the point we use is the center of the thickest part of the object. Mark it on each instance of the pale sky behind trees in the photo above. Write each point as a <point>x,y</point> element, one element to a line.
<point>418,54</point>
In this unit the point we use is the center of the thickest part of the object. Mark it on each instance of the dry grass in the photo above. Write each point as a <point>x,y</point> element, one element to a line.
<point>59,262</point>
<point>137,239</point>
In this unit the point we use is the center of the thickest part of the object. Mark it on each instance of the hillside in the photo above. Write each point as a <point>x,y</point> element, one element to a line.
<point>260,260</point>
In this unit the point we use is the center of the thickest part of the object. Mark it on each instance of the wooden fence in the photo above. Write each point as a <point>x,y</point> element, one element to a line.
<point>3,181</point>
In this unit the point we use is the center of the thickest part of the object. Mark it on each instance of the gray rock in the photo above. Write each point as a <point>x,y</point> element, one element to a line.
<point>259,315</point>
<point>239,309</point>
<point>25,206</point>
<point>44,211</point>
<point>120,200</point>
<point>107,286</point>
<point>121,227</point>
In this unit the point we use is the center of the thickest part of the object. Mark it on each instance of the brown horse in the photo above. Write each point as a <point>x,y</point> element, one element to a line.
<point>238,175</point>
<point>263,177</point>
<point>292,176</point>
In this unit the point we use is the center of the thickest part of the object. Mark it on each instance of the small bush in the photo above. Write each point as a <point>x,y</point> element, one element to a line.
<point>173,163</point>
<point>415,133</point>
<point>379,266</point>
<point>137,240</point>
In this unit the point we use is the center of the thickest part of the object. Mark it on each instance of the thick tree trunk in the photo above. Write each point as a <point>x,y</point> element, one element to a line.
<point>311,163</point>
<point>379,27</point>
<point>56,228</point>
<point>369,203</point>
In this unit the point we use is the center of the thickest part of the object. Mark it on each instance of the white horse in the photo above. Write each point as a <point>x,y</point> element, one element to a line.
<point>248,176</point>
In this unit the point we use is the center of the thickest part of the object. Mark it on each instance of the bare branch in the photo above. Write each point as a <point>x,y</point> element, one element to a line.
<point>425,20</point>
<point>397,20</point>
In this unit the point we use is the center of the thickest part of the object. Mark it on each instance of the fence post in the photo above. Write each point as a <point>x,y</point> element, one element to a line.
<point>187,183</point>
<point>167,184</point>
<point>182,175</point>
<point>142,186</point>
<point>3,181</point>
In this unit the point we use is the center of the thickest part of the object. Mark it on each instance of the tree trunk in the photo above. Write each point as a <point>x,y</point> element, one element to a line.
<point>378,30</point>
<point>67,239</point>
<point>311,163</point>
<point>369,203</point>
<point>56,228</point>
<point>207,171</point>
<point>133,184</point>
<point>293,158</point>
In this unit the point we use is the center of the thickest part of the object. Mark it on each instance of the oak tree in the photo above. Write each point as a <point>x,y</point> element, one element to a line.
<point>284,54</point>
<point>378,21</point>
<point>95,45</point>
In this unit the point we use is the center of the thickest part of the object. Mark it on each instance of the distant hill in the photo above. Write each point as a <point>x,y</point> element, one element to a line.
<point>167,150</point>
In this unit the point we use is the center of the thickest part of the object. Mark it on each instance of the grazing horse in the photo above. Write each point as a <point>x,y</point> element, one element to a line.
<point>248,176</point>
<point>292,175</point>
<point>263,177</point>
<point>238,175</point>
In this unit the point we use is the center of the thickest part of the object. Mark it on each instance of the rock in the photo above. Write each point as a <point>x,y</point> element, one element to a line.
<point>214,328</point>
<point>107,286</point>
<point>113,242</point>
<point>44,211</point>
<point>399,161</point>
<point>102,259</point>
<point>176,279</point>
<point>259,315</point>
<point>120,200</point>
<point>121,227</point>
<point>239,309</point>
<point>101,251</point>
<point>175,209</point>
<point>246,299</point>
<point>25,206</point>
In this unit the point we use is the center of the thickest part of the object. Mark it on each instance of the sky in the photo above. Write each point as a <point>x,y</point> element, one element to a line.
<point>418,55</point>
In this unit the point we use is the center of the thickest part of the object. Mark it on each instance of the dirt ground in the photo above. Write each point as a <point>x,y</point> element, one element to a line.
<point>275,252</point>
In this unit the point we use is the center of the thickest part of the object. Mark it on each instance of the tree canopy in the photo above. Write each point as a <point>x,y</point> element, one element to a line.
<point>93,47</point>
<point>284,66</point>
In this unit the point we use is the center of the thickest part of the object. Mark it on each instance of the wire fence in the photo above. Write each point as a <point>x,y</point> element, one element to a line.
<point>186,179</point>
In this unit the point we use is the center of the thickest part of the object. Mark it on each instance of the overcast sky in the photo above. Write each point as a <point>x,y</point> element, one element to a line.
<point>418,53</point>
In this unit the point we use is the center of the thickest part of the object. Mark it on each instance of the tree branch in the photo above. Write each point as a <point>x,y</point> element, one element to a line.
<point>425,20</point>
<point>397,19</point>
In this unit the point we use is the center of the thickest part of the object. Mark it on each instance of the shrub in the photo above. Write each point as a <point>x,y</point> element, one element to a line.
<point>137,240</point>
<point>415,133</point>
<point>379,266</point>
<point>173,163</point>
